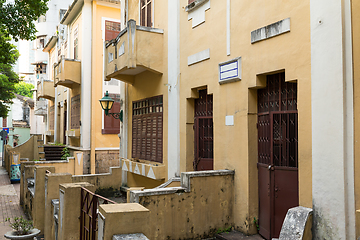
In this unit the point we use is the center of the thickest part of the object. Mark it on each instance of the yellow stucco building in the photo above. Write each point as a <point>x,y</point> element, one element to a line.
<point>75,116</point>
<point>234,81</point>
<point>267,89</point>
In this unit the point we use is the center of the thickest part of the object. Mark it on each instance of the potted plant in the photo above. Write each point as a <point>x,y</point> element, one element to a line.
<point>23,229</point>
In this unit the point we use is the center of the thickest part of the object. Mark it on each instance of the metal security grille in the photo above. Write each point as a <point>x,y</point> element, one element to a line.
<point>147,129</point>
<point>75,112</point>
<point>203,127</point>
<point>277,153</point>
<point>89,213</point>
<point>277,122</point>
<point>51,117</point>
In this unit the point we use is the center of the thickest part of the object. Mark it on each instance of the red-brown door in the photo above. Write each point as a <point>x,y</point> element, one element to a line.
<point>277,153</point>
<point>203,127</point>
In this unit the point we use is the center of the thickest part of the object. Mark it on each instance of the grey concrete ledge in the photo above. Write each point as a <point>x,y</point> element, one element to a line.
<point>271,30</point>
<point>194,5</point>
<point>186,176</point>
<point>185,184</point>
<point>171,180</point>
<point>132,236</point>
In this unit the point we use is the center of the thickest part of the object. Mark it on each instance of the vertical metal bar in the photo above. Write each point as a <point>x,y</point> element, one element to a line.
<point>81,213</point>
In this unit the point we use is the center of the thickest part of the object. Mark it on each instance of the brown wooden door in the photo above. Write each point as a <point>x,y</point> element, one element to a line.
<point>277,153</point>
<point>203,127</point>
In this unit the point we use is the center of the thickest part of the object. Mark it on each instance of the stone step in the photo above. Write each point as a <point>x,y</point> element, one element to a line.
<point>237,235</point>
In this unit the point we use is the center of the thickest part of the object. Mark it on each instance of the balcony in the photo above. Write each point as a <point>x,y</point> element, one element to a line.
<point>67,72</point>
<point>45,89</point>
<point>136,49</point>
<point>41,108</point>
<point>75,133</point>
<point>145,168</point>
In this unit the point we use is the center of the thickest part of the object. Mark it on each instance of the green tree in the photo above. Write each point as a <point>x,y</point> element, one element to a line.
<point>16,22</point>
<point>24,89</point>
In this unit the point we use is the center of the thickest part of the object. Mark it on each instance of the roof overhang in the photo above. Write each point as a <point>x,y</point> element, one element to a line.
<point>72,12</point>
<point>50,44</point>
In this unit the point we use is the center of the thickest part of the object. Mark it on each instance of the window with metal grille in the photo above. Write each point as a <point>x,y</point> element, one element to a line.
<point>75,112</point>
<point>4,122</point>
<point>112,125</point>
<point>51,118</point>
<point>147,129</point>
<point>145,13</point>
<point>112,30</point>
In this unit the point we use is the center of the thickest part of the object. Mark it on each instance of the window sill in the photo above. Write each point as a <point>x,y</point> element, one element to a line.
<point>194,5</point>
<point>110,131</point>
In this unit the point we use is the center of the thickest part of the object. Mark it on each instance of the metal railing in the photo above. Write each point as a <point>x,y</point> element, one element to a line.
<point>89,213</point>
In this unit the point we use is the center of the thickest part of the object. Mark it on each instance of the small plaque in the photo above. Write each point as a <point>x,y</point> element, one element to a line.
<point>229,120</point>
<point>230,71</point>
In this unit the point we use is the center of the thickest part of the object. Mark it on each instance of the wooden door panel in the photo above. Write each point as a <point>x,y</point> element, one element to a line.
<point>286,193</point>
<point>264,200</point>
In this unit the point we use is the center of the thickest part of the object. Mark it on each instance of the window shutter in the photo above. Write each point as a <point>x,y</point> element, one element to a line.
<point>112,30</point>
<point>75,112</point>
<point>147,129</point>
<point>112,125</point>
<point>51,118</point>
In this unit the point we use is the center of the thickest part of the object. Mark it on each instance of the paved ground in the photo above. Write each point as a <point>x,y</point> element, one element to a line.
<point>9,201</point>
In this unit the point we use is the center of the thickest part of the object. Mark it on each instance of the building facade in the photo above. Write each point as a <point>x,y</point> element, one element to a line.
<point>76,60</point>
<point>268,95</point>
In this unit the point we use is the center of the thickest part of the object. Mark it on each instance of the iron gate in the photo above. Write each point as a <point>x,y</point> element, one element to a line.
<point>277,153</point>
<point>203,127</point>
<point>89,213</point>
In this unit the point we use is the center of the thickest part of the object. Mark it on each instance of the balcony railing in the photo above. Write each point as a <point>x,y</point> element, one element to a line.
<point>136,49</point>
<point>67,72</point>
<point>45,89</point>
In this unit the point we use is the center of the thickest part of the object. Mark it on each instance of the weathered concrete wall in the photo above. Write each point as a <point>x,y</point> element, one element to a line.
<point>121,219</point>
<point>106,159</point>
<point>38,211</point>
<point>52,182</point>
<point>201,206</point>
<point>105,180</point>
<point>27,149</point>
<point>47,189</point>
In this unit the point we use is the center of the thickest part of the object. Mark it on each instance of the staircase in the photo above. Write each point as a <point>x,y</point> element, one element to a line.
<point>50,152</point>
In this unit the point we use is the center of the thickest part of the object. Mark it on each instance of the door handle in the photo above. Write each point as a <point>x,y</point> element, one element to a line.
<point>271,168</point>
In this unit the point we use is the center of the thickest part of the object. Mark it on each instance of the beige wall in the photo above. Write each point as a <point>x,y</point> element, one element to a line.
<point>356,60</point>
<point>235,147</point>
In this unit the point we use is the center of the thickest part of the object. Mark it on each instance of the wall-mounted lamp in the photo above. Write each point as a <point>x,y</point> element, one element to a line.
<point>106,104</point>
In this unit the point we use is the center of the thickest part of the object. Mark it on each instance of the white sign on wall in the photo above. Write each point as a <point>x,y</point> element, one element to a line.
<point>230,71</point>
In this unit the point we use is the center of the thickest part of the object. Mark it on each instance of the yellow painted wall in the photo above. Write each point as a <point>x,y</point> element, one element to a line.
<point>148,84</point>
<point>356,61</point>
<point>235,147</point>
<point>100,140</point>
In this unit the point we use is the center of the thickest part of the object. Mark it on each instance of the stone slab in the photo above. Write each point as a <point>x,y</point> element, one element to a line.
<point>297,224</point>
<point>138,236</point>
